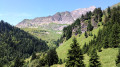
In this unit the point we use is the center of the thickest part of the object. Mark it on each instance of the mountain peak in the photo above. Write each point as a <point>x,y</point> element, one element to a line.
<point>91,7</point>
<point>59,18</point>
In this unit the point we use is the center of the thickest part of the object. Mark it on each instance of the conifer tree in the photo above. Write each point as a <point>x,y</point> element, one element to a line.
<point>94,36</point>
<point>75,56</point>
<point>86,35</point>
<point>115,35</point>
<point>52,57</point>
<point>18,62</point>
<point>109,12</point>
<point>105,42</point>
<point>94,60</point>
<point>60,61</point>
<point>33,56</point>
<point>85,48</point>
<point>89,27</point>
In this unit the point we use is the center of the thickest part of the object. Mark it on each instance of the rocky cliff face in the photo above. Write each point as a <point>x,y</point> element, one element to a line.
<point>59,18</point>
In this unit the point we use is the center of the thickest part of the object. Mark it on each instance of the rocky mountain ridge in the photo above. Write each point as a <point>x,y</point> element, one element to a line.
<point>59,18</point>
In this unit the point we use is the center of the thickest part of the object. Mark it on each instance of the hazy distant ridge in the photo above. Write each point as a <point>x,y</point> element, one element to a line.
<point>60,18</point>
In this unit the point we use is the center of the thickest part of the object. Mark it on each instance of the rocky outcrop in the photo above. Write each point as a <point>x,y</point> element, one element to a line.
<point>59,18</point>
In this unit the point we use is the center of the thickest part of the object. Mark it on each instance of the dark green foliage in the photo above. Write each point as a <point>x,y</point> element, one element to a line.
<point>86,35</point>
<point>88,15</point>
<point>109,12</point>
<point>52,57</point>
<point>49,58</point>
<point>1,65</point>
<point>94,36</point>
<point>98,14</point>
<point>42,62</point>
<point>64,61</point>
<point>89,27</point>
<point>33,56</point>
<point>109,36</point>
<point>94,60</point>
<point>118,57</point>
<point>77,25</point>
<point>67,31</point>
<point>15,42</point>
<point>90,34</point>
<point>75,56</point>
<point>105,41</point>
<point>18,62</point>
<point>85,48</point>
<point>60,61</point>
<point>82,18</point>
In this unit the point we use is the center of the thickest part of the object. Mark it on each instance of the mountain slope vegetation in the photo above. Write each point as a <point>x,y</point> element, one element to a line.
<point>17,43</point>
<point>47,32</point>
<point>106,38</point>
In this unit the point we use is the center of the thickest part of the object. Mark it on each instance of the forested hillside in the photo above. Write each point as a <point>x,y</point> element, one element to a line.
<point>16,43</point>
<point>93,43</point>
<point>87,22</point>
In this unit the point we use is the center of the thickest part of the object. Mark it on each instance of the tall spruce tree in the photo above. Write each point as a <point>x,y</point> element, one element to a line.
<point>75,56</point>
<point>94,60</point>
<point>85,48</point>
<point>18,62</point>
<point>89,27</point>
<point>86,35</point>
<point>33,56</point>
<point>109,12</point>
<point>52,57</point>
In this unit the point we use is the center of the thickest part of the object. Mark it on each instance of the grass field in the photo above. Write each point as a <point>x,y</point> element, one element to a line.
<point>46,32</point>
<point>63,49</point>
<point>107,56</point>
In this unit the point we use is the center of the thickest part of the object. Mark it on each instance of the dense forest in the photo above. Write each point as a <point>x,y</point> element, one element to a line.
<point>109,36</point>
<point>15,43</point>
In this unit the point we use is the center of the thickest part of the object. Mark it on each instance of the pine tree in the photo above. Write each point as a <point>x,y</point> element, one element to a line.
<point>18,62</point>
<point>94,60</point>
<point>52,57</point>
<point>94,36</point>
<point>105,42</point>
<point>75,56</point>
<point>89,27</point>
<point>115,35</point>
<point>86,34</point>
<point>109,12</point>
<point>33,56</point>
<point>60,61</point>
<point>85,48</point>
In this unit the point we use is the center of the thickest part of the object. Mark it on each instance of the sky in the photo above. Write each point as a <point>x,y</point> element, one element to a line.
<point>14,11</point>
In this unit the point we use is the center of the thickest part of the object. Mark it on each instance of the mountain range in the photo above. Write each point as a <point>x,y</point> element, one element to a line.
<point>66,17</point>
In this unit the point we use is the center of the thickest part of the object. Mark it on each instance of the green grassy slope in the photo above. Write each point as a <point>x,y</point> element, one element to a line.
<point>63,49</point>
<point>46,32</point>
<point>107,58</point>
